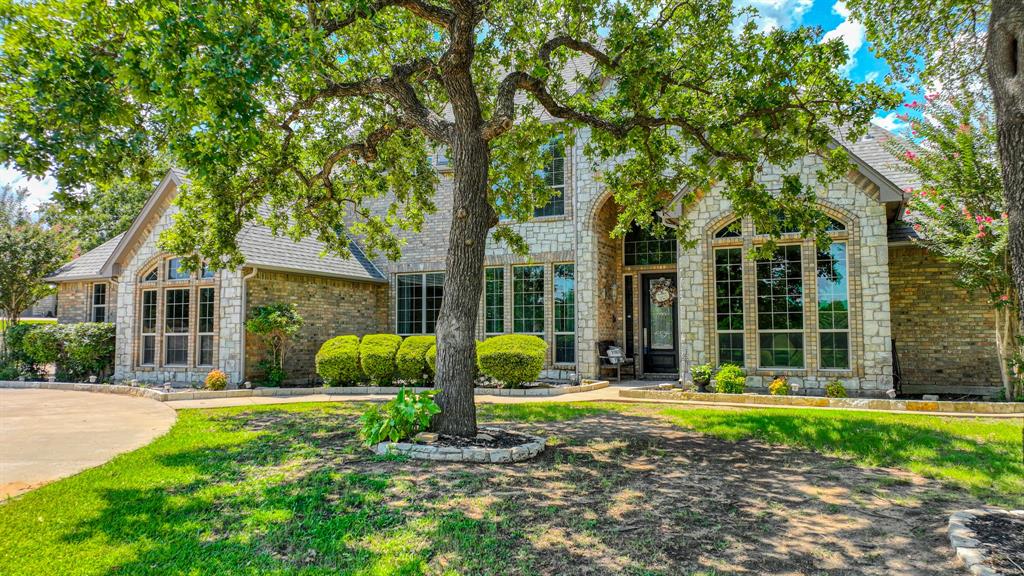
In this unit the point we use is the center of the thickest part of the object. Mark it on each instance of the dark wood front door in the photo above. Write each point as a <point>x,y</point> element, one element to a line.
<point>660,337</point>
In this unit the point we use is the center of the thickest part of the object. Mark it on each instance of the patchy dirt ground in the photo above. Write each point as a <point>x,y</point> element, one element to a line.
<point>631,494</point>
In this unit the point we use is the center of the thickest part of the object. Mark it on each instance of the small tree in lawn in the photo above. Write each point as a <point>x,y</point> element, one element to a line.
<point>960,211</point>
<point>28,252</point>
<point>304,114</point>
<point>274,325</point>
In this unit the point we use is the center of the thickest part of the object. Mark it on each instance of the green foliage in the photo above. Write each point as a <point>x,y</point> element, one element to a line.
<point>337,361</point>
<point>512,359</point>
<point>377,357</point>
<point>431,359</point>
<point>779,387</point>
<point>216,380</point>
<point>14,342</point>
<point>400,418</point>
<point>79,350</point>
<point>274,325</point>
<point>99,213</point>
<point>30,252</point>
<point>701,373</point>
<point>9,371</point>
<point>730,379</point>
<point>411,360</point>
<point>835,389</point>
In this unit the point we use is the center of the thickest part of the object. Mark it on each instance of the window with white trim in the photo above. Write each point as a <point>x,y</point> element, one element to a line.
<point>554,178</point>
<point>565,313</point>
<point>204,328</point>
<point>418,302</point>
<point>528,300</point>
<point>176,312</point>
<point>147,328</point>
<point>176,324</point>
<point>833,308</point>
<point>494,300</point>
<point>729,304</point>
<point>98,300</point>
<point>780,309</point>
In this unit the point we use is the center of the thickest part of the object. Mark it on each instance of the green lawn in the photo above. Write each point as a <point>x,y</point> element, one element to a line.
<point>287,490</point>
<point>4,322</point>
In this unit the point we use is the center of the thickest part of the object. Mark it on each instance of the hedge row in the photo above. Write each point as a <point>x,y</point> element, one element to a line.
<point>78,350</point>
<point>513,359</point>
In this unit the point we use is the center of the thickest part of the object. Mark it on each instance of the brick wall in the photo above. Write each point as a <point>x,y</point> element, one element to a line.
<point>73,302</point>
<point>329,306</point>
<point>944,336</point>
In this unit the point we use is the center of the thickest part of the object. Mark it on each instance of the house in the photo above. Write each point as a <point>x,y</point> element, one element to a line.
<point>873,302</point>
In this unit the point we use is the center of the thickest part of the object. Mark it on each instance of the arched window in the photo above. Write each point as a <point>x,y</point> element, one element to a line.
<point>177,321</point>
<point>794,323</point>
<point>642,248</point>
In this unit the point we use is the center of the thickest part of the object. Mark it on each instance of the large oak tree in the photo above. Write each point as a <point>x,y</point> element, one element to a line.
<point>303,113</point>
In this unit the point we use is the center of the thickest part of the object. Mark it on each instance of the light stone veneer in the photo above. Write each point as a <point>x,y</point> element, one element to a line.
<point>971,551</point>
<point>525,451</point>
<point>228,338</point>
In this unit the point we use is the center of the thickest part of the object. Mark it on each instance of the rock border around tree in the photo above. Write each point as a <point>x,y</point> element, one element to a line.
<point>964,540</point>
<point>530,448</point>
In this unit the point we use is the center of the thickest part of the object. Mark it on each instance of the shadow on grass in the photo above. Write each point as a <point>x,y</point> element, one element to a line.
<point>983,456</point>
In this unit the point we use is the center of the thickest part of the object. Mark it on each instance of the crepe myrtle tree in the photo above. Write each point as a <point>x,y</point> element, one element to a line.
<point>301,113</point>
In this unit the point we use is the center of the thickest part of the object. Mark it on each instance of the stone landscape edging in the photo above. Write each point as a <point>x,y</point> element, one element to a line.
<point>466,454</point>
<point>161,396</point>
<point>654,393</point>
<point>967,548</point>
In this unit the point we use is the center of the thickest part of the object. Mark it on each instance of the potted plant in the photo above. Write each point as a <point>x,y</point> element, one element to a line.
<point>701,376</point>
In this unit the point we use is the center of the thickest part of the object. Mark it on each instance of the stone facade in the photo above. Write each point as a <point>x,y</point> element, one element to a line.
<point>74,301</point>
<point>328,306</point>
<point>945,337</point>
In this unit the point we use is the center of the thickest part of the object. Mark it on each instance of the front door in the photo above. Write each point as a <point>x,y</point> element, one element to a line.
<point>660,336</point>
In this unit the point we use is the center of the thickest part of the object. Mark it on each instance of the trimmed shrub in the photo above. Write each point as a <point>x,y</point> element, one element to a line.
<point>835,389</point>
<point>45,344</point>
<point>88,350</point>
<point>431,358</point>
<point>779,387</point>
<point>216,380</point>
<point>337,362</point>
<point>377,357</point>
<point>513,359</point>
<point>14,341</point>
<point>731,379</point>
<point>411,360</point>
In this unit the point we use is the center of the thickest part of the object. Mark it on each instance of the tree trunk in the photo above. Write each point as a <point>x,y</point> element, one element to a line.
<point>463,284</point>
<point>1004,56</point>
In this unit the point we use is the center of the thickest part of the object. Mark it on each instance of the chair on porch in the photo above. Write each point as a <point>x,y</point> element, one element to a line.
<point>617,363</point>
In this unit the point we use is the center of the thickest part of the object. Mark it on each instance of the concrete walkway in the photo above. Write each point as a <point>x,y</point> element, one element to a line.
<point>46,435</point>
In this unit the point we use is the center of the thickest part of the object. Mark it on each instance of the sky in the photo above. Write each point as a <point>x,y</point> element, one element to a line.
<point>831,15</point>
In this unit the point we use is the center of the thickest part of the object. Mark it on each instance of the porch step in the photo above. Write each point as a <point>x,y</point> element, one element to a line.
<point>651,376</point>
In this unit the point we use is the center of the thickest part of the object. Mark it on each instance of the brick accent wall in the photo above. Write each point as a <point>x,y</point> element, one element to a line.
<point>74,302</point>
<point>944,336</point>
<point>329,306</point>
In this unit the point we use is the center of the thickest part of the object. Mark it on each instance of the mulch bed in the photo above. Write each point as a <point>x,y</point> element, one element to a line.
<point>1002,537</point>
<point>485,439</point>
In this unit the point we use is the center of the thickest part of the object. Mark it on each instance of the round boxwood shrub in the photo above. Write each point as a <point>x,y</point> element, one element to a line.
<point>411,360</point>
<point>377,357</point>
<point>337,362</point>
<point>731,379</point>
<point>216,380</point>
<point>513,359</point>
<point>431,359</point>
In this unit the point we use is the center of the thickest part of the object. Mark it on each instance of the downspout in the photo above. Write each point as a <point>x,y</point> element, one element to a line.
<point>245,306</point>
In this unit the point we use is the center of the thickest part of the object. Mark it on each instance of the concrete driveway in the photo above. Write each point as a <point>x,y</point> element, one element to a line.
<point>46,435</point>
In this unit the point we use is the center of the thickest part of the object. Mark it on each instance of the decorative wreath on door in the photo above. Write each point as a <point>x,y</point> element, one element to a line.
<point>663,292</point>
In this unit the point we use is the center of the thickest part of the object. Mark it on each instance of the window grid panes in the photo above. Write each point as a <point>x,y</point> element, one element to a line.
<point>148,327</point>
<point>151,276</point>
<point>528,299</point>
<point>554,178</point>
<point>729,304</point>
<point>780,320</point>
<point>419,302</point>
<point>99,302</point>
<point>565,313</point>
<point>494,300</point>
<point>833,308</point>
<point>642,248</point>
<point>174,270</point>
<point>176,322</point>
<point>204,321</point>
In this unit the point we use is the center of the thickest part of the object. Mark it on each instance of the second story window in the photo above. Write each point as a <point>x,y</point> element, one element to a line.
<point>554,177</point>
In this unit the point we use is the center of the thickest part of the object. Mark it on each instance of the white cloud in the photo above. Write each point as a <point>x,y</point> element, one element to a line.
<point>890,122</point>
<point>39,191</point>
<point>773,14</point>
<point>872,76</point>
<point>850,31</point>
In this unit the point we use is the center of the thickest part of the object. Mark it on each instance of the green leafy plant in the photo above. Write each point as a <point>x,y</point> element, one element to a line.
<point>216,380</point>
<point>730,379</point>
<point>274,325</point>
<point>14,341</point>
<point>835,389</point>
<point>701,374</point>
<point>9,371</point>
<point>400,418</point>
<point>431,359</point>
<point>377,357</point>
<point>779,387</point>
<point>337,361</point>
<point>411,359</point>
<point>512,359</point>
<point>78,350</point>
<point>45,344</point>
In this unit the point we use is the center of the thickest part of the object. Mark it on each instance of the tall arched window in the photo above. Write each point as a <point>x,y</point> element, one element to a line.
<point>177,316</point>
<point>790,312</point>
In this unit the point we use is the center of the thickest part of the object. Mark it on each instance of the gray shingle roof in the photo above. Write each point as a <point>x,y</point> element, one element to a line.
<point>901,232</point>
<point>88,265</point>
<point>871,149</point>
<point>262,248</point>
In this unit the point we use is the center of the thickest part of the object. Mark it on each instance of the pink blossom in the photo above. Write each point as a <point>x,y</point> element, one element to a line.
<point>1004,215</point>
<point>978,218</point>
<point>965,211</point>
<point>980,235</point>
<point>913,105</point>
<point>903,117</point>
<point>988,219</point>
<point>956,154</point>
<point>917,227</point>
<point>907,212</point>
<point>942,207</point>
<point>931,97</point>
<point>1005,297</point>
<point>981,227</point>
<point>964,129</point>
<point>909,155</point>
<point>908,190</point>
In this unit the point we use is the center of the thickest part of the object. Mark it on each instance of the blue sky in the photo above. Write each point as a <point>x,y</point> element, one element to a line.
<point>831,15</point>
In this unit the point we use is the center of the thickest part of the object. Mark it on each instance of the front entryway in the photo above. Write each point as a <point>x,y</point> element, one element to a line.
<point>659,338</point>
